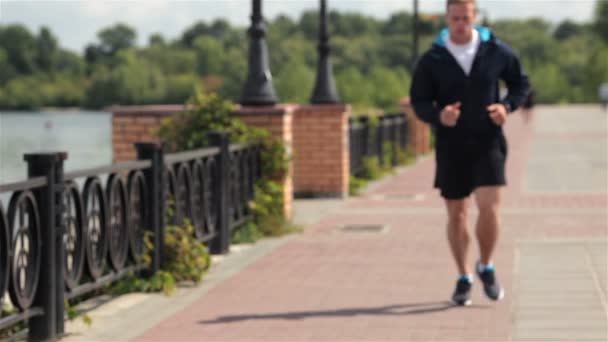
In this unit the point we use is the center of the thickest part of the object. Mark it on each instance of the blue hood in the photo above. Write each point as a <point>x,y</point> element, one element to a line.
<point>484,34</point>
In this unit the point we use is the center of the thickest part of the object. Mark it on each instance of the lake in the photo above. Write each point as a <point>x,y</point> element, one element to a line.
<point>85,135</point>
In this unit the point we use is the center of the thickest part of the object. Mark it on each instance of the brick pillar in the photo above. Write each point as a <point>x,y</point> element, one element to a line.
<point>419,132</point>
<point>278,120</point>
<point>321,151</point>
<point>131,124</point>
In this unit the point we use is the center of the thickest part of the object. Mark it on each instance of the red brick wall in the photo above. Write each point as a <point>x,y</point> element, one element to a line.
<point>419,131</point>
<point>321,152</point>
<point>279,121</point>
<point>131,124</point>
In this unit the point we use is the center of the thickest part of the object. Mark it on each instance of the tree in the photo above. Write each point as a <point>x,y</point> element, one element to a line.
<point>20,47</point>
<point>67,62</point>
<point>156,39</point>
<point>133,81</point>
<point>284,26</point>
<point>198,29</point>
<point>210,55</point>
<point>219,29</point>
<point>601,19</point>
<point>47,49</point>
<point>388,87</point>
<point>116,38</point>
<point>294,83</point>
<point>400,23</point>
<point>353,87</point>
<point>92,54</point>
<point>7,71</point>
<point>567,29</point>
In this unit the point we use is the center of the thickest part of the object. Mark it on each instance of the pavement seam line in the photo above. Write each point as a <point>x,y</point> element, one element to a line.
<point>596,280</point>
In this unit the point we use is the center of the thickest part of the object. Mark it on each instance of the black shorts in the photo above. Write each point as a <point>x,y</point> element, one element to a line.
<point>467,163</point>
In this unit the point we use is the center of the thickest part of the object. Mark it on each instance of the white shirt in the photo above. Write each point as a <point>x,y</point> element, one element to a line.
<point>464,53</point>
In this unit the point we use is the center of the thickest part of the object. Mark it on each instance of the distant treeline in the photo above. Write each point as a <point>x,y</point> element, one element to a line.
<point>372,61</point>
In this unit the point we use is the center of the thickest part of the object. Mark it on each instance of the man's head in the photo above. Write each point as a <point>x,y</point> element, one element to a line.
<point>461,16</point>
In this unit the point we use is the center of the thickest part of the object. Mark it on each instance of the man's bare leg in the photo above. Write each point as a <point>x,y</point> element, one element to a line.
<point>488,222</point>
<point>458,234</point>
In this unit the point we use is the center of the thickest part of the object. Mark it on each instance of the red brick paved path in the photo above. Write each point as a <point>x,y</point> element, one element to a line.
<point>330,286</point>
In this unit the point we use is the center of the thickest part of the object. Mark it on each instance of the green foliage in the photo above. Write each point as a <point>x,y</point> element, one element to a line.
<point>372,60</point>
<point>248,233</point>
<point>210,55</point>
<point>116,38</point>
<point>206,113</point>
<point>294,77</point>
<point>371,169</point>
<point>405,156</point>
<point>356,185</point>
<point>210,113</point>
<point>267,208</point>
<point>185,260</point>
<point>20,47</point>
<point>72,313</point>
<point>600,24</point>
<point>47,49</point>
<point>5,333</point>
<point>132,82</point>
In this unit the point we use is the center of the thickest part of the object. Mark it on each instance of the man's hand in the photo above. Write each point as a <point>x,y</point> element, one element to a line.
<point>498,113</point>
<point>450,114</point>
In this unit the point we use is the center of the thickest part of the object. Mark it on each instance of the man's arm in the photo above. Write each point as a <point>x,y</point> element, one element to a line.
<point>422,94</point>
<point>517,81</point>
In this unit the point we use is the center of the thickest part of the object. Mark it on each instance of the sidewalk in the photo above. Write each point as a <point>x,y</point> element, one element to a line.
<point>392,282</point>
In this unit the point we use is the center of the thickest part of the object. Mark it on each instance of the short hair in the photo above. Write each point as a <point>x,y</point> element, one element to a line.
<point>456,2</point>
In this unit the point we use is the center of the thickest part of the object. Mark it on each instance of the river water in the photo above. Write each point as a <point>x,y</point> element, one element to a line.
<point>85,135</point>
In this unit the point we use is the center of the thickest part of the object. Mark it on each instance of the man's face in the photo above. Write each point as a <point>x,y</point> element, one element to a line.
<point>460,19</point>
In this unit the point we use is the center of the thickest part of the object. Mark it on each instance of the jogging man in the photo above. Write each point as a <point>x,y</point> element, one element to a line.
<point>455,89</point>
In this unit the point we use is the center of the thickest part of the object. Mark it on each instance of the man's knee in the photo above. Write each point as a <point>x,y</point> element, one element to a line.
<point>488,199</point>
<point>457,213</point>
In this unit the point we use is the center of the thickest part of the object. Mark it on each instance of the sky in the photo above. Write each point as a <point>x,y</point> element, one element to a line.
<point>76,23</point>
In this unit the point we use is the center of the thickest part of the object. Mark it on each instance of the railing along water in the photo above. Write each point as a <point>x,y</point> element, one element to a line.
<point>64,235</point>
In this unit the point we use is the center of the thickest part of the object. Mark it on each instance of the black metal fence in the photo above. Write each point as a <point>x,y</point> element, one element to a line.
<point>369,140</point>
<point>67,234</point>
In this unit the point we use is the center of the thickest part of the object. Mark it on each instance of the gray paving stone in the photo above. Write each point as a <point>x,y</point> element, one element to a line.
<point>560,296</point>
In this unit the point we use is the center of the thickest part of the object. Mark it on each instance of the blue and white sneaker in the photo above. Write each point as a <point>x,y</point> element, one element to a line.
<point>462,293</point>
<point>491,287</point>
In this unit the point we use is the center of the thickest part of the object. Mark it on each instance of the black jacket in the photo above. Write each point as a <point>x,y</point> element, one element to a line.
<point>439,80</point>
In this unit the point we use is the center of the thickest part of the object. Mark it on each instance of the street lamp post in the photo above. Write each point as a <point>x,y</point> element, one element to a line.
<point>325,87</point>
<point>258,90</point>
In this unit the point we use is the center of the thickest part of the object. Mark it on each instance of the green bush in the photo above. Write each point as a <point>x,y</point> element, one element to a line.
<point>185,259</point>
<point>209,112</point>
<point>371,169</point>
<point>405,156</point>
<point>356,185</point>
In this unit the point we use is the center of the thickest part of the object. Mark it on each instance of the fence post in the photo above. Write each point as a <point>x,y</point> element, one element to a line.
<point>397,140</point>
<point>380,139</point>
<point>155,220</point>
<point>221,243</point>
<point>364,120</point>
<point>50,295</point>
<point>404,131</point>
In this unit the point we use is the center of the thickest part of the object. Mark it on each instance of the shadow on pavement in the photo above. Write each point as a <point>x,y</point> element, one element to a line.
<point>391,310</point>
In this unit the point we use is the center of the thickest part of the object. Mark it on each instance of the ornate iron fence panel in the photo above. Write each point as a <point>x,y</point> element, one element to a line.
<point>24,223</point>
<point>101,216</point>
<point>366,140</point>
<point>20,250</point>
<point>95,218</point>
<point>138,210</point>
<point>117,210</point>
<point>73,238</point>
